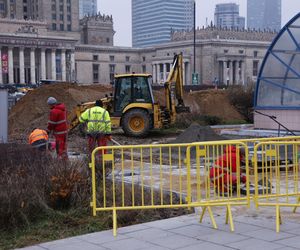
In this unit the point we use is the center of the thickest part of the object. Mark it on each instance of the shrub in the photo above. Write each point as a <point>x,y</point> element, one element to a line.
<point>241,97</point>
<point>32,183</point>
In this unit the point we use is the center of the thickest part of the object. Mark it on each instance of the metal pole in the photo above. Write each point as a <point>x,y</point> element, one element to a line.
<point>194,37</point>
<point>3,116</point>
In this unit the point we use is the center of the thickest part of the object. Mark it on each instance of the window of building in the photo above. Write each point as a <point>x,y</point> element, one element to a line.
<point>225,51</point>
<point>112,58</point>
<point>127,58</point>
<point>61,17</point>
<point>241,51</point>
<point>144,58</point>
<point>61,26</point>
<point>255,53</point>
<point>255,68</point>
<point>53,16</point>
<point>54,26</point>
<point>68,1</point>
<point>2,7</point>
<point>112,72</point>
<point>127,69</point>
<point>69,8</point>
<point>95,73</point>
<point>53,7</point>
<point>144,68</point>
<point>107,39</point>
<point>95,57</point>
<point>61,8</point>
<point>25,8</point>
<point>69,27</point>
<point>69,17</point>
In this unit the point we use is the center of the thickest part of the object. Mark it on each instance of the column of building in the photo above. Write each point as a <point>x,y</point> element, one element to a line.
<point>33,64</point>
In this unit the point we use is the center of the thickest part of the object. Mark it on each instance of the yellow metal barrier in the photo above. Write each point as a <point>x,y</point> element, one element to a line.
<point>277,175</point>
<point>182,176</point>
<point>167,176</point>
<point>221,176</point>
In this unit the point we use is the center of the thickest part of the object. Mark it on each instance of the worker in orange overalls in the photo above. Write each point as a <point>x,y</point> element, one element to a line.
<point>223,173</point>
<point>38,139</point>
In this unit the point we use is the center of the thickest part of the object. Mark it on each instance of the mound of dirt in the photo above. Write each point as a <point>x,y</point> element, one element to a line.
<point>208,102</point>
<point>198,133</point>
<point>32,110</point>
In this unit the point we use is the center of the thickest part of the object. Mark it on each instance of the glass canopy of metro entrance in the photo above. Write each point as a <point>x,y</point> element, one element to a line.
<point>278,84</point>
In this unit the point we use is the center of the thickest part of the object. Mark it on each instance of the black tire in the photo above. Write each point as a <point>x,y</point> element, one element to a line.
<point>136,123</point>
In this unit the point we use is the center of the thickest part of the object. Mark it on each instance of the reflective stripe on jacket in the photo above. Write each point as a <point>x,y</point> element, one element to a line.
<point>98,120</point>
<point>38,134</point>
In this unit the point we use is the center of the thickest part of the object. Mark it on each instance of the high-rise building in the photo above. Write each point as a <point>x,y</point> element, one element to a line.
<point>264,14</point>
<point>87,8</point>
<point>60,15</point>
<point>227,15</point>
<point>154,20</point>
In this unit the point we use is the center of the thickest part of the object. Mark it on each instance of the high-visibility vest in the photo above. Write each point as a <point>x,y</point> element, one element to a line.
<point>98,120</point>
<point>38,134</point>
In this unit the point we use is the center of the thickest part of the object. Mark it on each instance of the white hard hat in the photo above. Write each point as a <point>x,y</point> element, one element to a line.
<point>51,100</point>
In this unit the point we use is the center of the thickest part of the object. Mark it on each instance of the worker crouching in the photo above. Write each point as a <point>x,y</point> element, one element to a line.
<point>226,175</point>
<point>98,126</point>
<point>39,139</point>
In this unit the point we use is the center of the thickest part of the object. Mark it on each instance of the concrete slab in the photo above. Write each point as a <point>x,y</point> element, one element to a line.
<point>253,231</point>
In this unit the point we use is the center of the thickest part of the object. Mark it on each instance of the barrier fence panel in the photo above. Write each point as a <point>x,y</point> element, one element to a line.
<point>277,175</point>
<point>204,174</point>
<point>219,176</point>
<point>139,177</point>
<point>169,176</point>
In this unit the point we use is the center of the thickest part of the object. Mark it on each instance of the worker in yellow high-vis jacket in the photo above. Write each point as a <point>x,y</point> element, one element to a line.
<point>98,125</point>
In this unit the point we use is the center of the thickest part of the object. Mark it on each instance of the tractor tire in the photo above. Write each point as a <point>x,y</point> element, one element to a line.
<point>136,123</point>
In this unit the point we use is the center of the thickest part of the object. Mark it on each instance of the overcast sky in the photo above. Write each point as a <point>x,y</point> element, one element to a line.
<point>121,12</point>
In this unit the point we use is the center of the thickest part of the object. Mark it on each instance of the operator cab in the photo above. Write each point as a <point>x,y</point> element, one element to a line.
<point>132,88</point>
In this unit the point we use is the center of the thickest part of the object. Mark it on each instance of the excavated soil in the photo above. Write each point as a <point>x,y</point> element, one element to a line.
<point>32,110</point>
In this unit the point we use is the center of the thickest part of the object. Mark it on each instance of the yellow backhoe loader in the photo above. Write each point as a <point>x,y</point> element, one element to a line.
<point>132,106</point>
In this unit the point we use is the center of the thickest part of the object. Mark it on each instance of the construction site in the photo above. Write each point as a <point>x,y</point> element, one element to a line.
<point>168,155</point>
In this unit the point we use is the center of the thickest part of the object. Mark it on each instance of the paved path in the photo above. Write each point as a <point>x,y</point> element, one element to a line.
<point>252,231</point>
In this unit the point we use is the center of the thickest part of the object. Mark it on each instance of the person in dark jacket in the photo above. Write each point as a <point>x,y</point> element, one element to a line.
<point>57,124</point>
<point>223,174</point>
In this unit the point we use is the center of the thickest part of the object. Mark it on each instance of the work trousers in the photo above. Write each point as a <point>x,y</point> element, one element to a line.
<point>61,146</point>
<point>97,140</point>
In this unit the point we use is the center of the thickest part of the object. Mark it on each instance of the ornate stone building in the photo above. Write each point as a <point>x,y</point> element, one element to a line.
<point>97,30</point>
<point>51,44</point>
<point>225,56</point>
<point>30,53</point>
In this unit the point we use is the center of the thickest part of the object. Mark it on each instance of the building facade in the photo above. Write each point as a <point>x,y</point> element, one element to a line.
<point>153,20</point>
<point>97,30</point>
<point>60,15</point>
<point>29,53</point>
<point>264,14</point>
<point>227,15</point>
<point>87,8</point>
<point>228,55</point>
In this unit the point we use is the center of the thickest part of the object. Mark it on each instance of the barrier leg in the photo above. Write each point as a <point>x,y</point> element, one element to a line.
<point>115,222</point>
<point>278,219</point>
<point>229,217</point>
<point>212,217</point>
<point>202,214</point>
<point>295,208</point>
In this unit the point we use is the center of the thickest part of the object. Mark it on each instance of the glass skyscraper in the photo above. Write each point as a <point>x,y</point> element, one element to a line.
<point>264,14</point>
<point>227,15</point>
<point>153,20</point>
<point>87,7</point>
